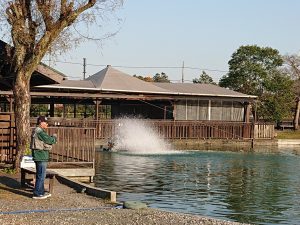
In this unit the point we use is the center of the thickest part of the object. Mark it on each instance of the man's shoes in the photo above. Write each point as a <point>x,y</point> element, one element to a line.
<point>44,196</point>
<point>47,194</point>
<point>39,197</point>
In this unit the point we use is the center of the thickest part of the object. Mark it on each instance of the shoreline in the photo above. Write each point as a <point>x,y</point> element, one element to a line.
<point>233,145</point>
<point>67,206</point>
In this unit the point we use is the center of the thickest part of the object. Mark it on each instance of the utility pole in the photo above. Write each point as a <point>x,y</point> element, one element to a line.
<point>84,67</point>
<point>182,74</point>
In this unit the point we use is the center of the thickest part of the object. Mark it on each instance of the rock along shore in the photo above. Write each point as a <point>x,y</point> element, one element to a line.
<point>67,207</point>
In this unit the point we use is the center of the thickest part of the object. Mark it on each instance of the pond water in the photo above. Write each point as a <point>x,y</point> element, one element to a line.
<point>255,188</point>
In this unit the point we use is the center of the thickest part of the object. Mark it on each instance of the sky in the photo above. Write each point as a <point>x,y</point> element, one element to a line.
<point>160,35</point>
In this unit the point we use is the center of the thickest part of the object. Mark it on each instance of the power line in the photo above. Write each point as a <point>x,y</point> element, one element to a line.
<point>213,70</point>
<point>146,67</point>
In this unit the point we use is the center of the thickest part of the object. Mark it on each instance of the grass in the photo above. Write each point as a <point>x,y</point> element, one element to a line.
<point>288,134</point>
<point>9,170</point>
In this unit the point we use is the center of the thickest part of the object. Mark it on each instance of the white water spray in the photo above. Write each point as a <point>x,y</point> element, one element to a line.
<point>138,136</point>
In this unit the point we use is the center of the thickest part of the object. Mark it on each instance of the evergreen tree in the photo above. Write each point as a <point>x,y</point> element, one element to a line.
<point>204,79</point>
<point>161,77</point>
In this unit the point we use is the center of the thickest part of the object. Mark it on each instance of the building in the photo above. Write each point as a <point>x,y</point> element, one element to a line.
<point>125,95</point>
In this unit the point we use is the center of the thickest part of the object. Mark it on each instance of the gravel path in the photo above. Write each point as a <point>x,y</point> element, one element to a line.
<point>69,207</point>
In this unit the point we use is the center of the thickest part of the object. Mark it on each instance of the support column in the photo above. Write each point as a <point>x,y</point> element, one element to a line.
<point>85,111</point>
<point>174,111</point>
<point>64,110</point>
<point>74,105</point>
<point>11,109</point>
<point>98,127</point>
<point>253,123</point>
<point>97,110</point>
<point>209,110</point>
<point>247,107</point>
<point>186,113</point>
<point>247,126</point>
<point>51,109</point>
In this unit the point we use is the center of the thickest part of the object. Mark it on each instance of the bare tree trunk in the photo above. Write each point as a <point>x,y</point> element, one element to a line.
<point>22,114</point>
<point>296,117</point>
<point>34,27</point>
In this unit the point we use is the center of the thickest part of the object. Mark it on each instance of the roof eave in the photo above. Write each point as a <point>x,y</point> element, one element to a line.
<point>66,87</point>
<point>148,92</point>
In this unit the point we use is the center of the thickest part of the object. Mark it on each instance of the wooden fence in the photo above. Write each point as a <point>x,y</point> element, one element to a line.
<point>264,131</point>
<point>178,129</point>
<point>76,137</point>
<point>202,130</point>
<point>7,137</point>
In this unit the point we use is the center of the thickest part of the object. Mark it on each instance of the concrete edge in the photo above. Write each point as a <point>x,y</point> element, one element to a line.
<point>288,141</point>
<point>93,191</point>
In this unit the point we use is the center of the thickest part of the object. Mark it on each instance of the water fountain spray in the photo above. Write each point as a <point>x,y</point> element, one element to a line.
<point>138,136</point>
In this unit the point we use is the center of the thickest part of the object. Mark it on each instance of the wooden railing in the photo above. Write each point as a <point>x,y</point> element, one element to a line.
<point>74,145</point>
<point>76,137</point>
<point>179,129</point>
<point>7,137</point>
<point>264,131</point>
<point>202,130</point>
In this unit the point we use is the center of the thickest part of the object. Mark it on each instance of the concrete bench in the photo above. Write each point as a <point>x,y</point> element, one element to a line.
<point>49,174</point>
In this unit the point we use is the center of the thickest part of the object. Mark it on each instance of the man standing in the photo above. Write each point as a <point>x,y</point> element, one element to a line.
<point>41,144</point>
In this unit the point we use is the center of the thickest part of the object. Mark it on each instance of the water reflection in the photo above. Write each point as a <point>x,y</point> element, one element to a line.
<point>259,185</point>
<point>250,188</point>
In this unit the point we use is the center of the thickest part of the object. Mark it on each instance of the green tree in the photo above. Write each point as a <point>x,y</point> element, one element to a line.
<point>161,77</point>
<point>204,79</point>
<point>292,67</point>
<point>35,27</point>
<point>256,71</point>
<point>249,67</point>
<point>277,99</point>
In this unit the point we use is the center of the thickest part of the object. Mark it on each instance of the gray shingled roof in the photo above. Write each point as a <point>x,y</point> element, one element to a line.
<point>200,89</point>
<point>73,84</point>
<point>112,80</point>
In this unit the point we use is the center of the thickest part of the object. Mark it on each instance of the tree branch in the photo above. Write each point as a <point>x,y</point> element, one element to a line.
<point>70,14</point>
<point>62,8</point>
<point>90,4</point>
<point>67,16</point>
<point>17,21</point>
<point>23,27</point>
<point>32,26</point>
<point>45,8</point>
